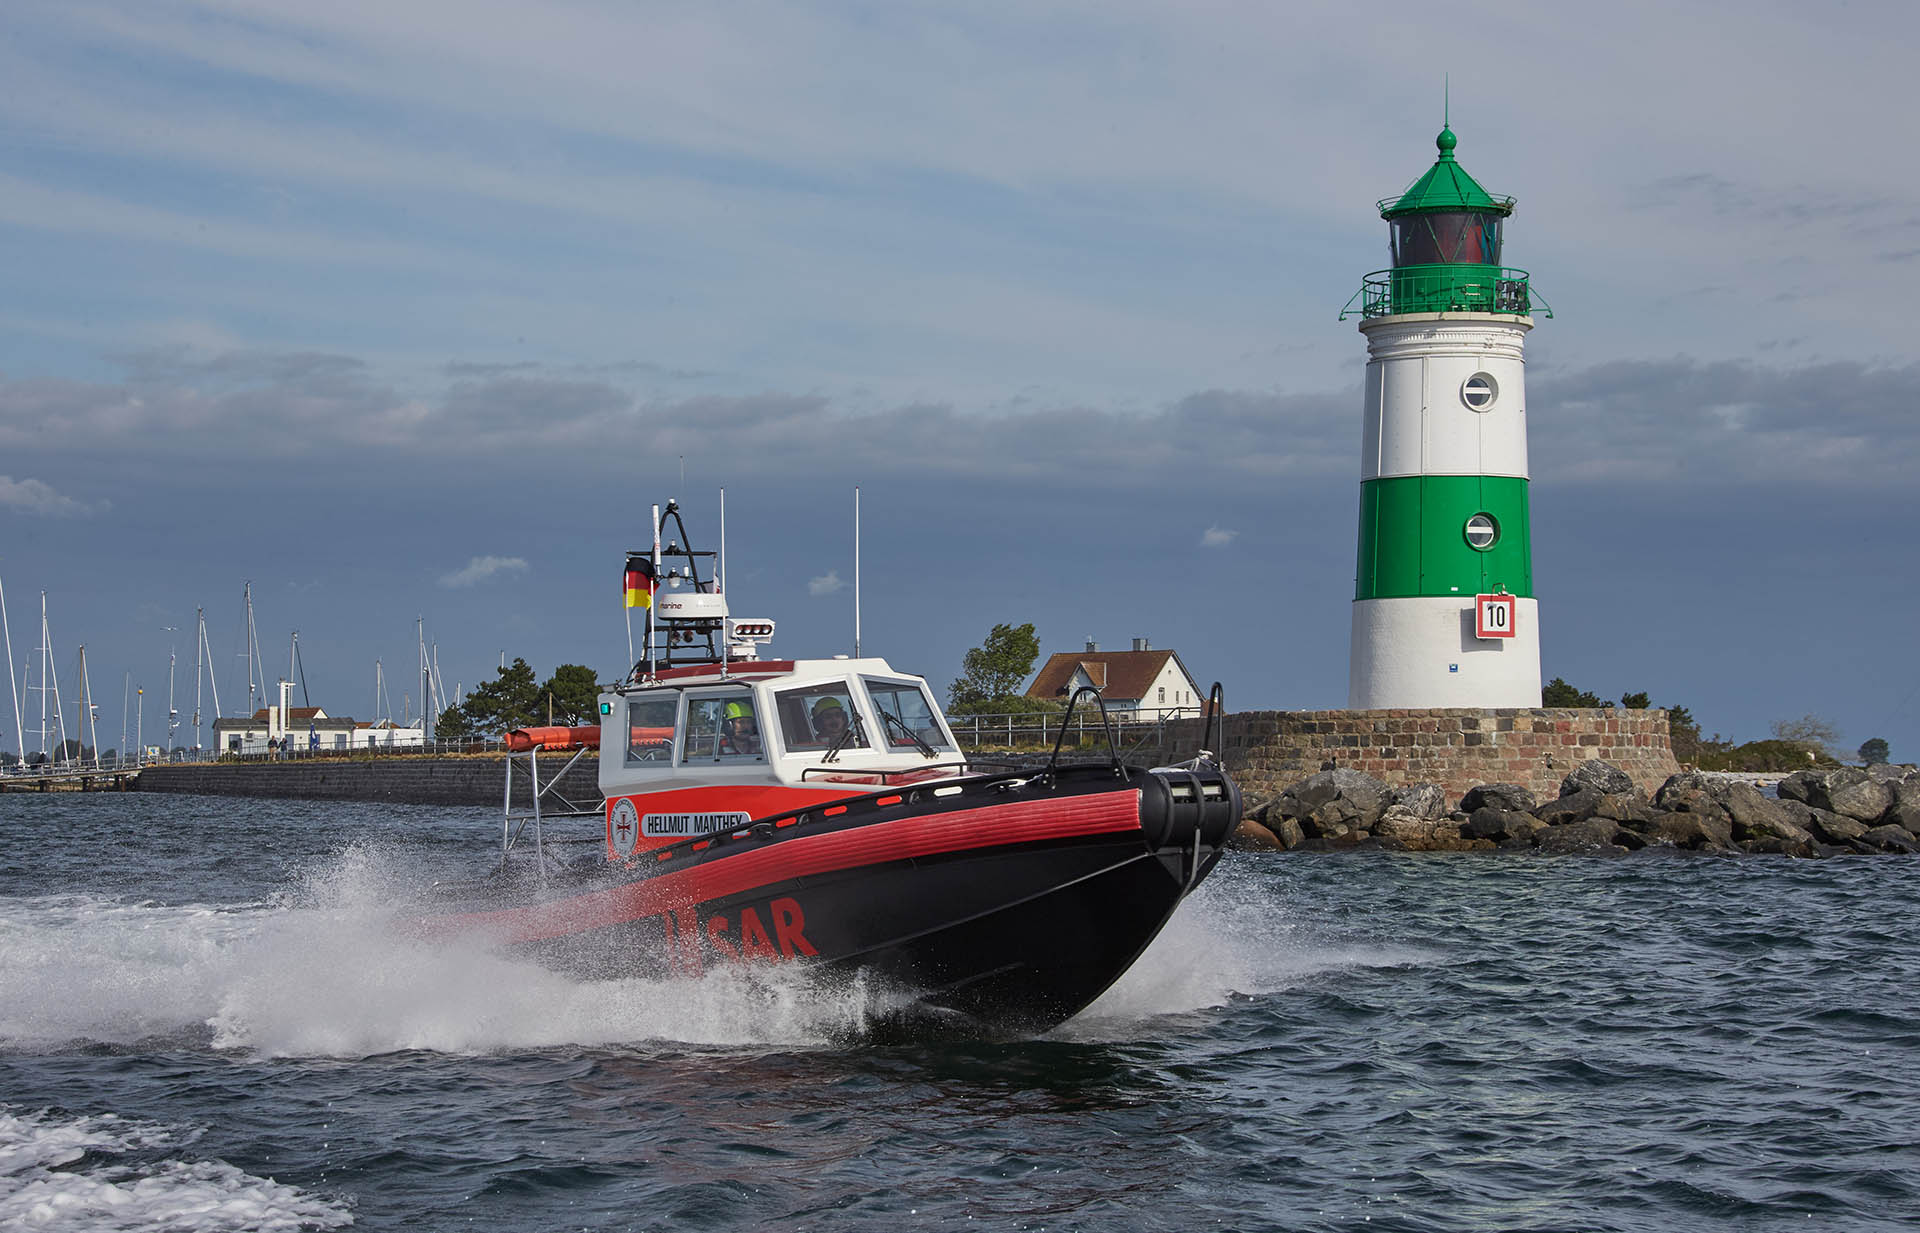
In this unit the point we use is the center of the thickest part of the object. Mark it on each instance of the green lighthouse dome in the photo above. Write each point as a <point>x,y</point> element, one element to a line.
<point>1446,234</point>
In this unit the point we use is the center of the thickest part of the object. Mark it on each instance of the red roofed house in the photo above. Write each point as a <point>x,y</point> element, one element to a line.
<point>1139,684</point>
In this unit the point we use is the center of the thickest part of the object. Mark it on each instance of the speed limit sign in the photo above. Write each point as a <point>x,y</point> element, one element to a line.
<point>1493,616</point>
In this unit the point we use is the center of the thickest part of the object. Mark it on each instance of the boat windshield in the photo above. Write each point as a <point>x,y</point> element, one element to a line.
<point>816,717</point>
<point>906,713</point>
<point>723,727</point>
<point>650,723</point>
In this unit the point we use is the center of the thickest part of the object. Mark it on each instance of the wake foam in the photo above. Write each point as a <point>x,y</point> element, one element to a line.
<point>329,969</point>
<point>1233,937</point>
<point>96,1173</point>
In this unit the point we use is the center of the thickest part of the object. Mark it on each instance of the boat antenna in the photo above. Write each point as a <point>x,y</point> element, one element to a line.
<point>856,571</point>
<point>720,588</point>
<point>656,583</point>
<point>13,684</point>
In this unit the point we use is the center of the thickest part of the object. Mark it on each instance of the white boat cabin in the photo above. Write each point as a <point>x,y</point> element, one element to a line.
<point>798,723</point>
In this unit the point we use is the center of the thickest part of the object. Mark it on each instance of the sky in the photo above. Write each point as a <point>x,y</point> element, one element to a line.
<point>407,313</point>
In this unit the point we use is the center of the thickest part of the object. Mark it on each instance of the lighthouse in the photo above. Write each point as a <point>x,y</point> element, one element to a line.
<point>1444,613</point>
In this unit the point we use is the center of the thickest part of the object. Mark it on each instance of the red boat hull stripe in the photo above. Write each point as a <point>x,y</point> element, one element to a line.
<point>875,843</point>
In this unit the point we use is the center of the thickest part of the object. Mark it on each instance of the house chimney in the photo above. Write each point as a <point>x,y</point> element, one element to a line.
<point>1092,646</point>
<point>1140,644</point>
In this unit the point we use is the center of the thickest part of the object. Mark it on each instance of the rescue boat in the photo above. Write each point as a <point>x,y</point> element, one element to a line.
<point>820,812</point>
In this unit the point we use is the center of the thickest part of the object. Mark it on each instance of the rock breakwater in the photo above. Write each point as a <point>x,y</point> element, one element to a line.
<point>1599,809</point>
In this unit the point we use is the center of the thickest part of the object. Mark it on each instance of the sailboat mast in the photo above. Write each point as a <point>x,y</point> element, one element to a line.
<point>173,713</point>
<point>199,641</point>
<point>86,710</point>
<point>256,665</point>
<point>213,679</point>
<point>13,685</point>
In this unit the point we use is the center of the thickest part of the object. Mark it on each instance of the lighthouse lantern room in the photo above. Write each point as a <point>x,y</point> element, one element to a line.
<point>1443,469</point>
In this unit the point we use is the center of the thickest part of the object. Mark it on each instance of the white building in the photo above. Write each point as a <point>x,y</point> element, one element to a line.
<point>1138,684</point>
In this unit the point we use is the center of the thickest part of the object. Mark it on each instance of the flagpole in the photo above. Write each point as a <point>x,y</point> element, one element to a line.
<point>856,571</point>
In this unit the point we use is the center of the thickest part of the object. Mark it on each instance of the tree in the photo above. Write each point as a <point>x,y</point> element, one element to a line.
<point>1636,702</point>
<point>1810,732</point>
<point>453,724</point>
<point>506,702</point>
<point>1874,752</point>
<point>1558,693</point>
<point>994,670</point>
<point>1684,731</point>
<point>575,695</point>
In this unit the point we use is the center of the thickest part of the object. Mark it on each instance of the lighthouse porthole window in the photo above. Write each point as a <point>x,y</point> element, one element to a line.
<point>1479,391</point>
<point>1482,532</point>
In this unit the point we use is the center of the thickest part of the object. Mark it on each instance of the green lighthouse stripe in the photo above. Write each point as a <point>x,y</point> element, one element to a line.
<point>1413,537</point>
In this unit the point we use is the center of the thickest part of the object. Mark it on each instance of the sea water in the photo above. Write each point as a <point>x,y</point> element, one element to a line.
<point>208,1021</point>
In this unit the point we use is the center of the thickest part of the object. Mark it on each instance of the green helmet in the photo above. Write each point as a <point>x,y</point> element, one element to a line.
<point>739,710</point>
<point>829,704</point>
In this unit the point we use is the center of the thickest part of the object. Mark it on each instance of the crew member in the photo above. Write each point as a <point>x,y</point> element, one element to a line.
<point>742,728</point>
<point>829,720</point>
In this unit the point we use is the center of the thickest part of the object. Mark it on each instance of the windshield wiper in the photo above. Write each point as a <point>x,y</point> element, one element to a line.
<point>890,718</point>
<point>847,734</point>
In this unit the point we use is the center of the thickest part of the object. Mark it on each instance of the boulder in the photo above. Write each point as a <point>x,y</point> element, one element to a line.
<point>1488,822</point>
<point>1577,807</point>
<point>1510,796</point>
<point>1905,810</point>
<point>1693,831</point>
<point>1891,838</point>
<point>1425,800</point>
<point>1251,836</point>
<point>1328,797</point>
<point>1596,776</point>
<point>1849,791</point>
<point>1592,835</point>
<point>1753,814</point>
<point>1692,800</point>
<point>1288,831</point>
<point>1682,784</point>
<point>1889,773</point>
<point>1781,836</point>
<point>1624,807</point>
<point>1824,826</point>
<point>1404,826</point>
<point>1794,787</point>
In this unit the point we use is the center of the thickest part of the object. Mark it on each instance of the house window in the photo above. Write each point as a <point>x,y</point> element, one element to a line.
<point>1163,693</point>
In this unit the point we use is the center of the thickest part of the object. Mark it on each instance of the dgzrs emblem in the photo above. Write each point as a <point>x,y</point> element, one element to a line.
<point>623,828</point>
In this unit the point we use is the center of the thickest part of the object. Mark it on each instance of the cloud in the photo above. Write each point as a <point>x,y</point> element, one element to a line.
<point>32,496</point>
<point>1216,537</point>
<point>826,584</point>
<point>482,568</point>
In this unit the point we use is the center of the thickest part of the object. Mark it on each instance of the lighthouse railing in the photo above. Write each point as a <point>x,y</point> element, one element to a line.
<point>1445,288</point>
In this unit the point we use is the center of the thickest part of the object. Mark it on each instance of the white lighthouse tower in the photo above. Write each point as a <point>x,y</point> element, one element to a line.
<point>1444,613</point>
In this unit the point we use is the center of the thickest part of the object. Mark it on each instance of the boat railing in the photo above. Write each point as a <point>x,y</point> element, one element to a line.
<point>514,820</point>
<point>1106,724</point>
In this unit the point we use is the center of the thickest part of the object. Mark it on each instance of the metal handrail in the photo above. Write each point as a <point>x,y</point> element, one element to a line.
<point>1446,288</point>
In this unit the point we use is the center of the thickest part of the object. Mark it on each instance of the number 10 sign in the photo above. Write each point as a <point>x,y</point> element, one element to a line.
<point>1493,616</point>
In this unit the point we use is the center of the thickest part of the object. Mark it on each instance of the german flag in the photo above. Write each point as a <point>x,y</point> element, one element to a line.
<point>639,581</point>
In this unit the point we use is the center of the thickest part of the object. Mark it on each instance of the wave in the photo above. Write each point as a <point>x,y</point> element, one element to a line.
<point>104,1172</point>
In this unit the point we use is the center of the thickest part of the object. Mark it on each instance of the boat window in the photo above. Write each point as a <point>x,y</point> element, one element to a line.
<point>650,723</point>
<point>906,713</point>
<point>722,727</point>
<point>816,717</point>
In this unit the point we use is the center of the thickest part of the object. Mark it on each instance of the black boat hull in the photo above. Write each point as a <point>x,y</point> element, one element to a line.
<point>1001,908</point>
